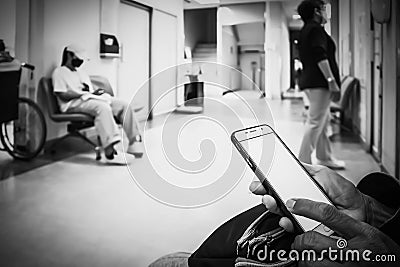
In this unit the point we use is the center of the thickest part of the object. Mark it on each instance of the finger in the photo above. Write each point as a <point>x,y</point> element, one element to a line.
<point>312,169</point>
<point>313,241</point>
<point>286,224</point>
<point>339,222</point>
<point>271,205</point>
<point>257,188</point>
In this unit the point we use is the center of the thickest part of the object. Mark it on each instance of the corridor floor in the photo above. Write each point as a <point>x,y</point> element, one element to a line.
<point>76,212</point>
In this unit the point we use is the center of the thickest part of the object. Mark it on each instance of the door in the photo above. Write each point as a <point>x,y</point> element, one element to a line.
<point>133,71</point>
<point>376,133</point>
<point>164,62</point>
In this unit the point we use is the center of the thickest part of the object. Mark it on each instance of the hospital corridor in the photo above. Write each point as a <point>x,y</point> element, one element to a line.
<point>168,133</point>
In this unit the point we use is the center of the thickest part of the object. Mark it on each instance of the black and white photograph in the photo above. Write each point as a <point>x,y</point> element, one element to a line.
<point>199,133</point>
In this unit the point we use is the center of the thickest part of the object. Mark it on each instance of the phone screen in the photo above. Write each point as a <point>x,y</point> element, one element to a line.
<point>283,171</point>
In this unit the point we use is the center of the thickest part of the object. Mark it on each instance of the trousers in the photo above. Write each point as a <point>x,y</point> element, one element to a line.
<point>219,249</point>
<point>105,113</point>
<point>316,134</point>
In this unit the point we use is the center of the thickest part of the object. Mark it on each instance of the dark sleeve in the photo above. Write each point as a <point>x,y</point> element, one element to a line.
<point>219,249</point>
<point>319,43</point>
<point>391,228</point>
<point>385,189</point>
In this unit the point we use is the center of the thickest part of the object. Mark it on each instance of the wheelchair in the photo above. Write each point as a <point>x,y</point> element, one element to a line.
<point>22,123</point>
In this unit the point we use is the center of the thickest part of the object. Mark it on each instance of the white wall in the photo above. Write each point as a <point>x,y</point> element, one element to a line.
<point>230,57</point>
<point>8,23</point>
<point>22,34</point>
<point>285,54</point>
<point>362,46</point>
<point>229,42</point>
<point>164,57</point>
<point>251,34</point>
<point>239,14</point>
<point>277,50</point>
<point>343,45</point>
<point>233,15</point>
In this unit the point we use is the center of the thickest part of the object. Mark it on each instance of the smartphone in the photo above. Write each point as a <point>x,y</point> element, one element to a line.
<point>280,172</point>
<point>99,91</point>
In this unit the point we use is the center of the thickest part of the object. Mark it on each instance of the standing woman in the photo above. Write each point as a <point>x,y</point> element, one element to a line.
<point>320,81</point>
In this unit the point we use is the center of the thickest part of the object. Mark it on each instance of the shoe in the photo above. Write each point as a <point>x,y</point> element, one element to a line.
<point>136,149</point>
<point>117,159</point>
<point>333,164</point>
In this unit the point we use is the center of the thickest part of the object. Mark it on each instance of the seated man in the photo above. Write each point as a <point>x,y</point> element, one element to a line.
<point>75,94</point>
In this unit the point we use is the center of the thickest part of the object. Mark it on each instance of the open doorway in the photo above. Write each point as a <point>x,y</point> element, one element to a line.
<point>201,32</point>
<point>295,63</point>
<point>252,54</point>
<point>296,67</point>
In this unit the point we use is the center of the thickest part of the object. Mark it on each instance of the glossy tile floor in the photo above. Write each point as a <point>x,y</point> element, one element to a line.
<point>75,211</point>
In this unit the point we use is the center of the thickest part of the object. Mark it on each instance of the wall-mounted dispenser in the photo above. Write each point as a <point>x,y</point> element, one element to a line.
<point>109,46</point>
<point>381,10</point>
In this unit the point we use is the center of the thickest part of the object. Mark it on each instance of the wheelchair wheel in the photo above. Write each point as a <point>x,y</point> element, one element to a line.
<point>24,137</point>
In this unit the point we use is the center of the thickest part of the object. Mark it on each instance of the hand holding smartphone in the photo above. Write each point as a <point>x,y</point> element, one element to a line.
<point>280,172</point>
<point>99,91</point>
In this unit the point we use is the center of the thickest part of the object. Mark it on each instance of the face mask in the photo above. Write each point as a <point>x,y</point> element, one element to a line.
<point>76,62</point>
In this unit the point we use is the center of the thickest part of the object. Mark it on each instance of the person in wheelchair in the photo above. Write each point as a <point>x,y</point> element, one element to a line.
<point>7,62</point>
<point>75,93</point>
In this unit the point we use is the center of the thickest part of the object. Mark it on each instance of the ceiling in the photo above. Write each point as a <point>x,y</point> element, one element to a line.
<point>251,35</point>
<point>289,6</point>
<point>215,3</point>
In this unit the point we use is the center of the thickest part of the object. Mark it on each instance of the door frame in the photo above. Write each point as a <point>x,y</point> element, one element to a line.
<point>150,11</point>
<point>396,18</point>
<point>376,154</point>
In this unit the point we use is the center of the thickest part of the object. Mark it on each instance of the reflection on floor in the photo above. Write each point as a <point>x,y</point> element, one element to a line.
<point>78,212</point>
<point>68,148</point>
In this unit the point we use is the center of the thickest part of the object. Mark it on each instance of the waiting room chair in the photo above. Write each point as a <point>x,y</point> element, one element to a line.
<point>348,105</point>
<point>346,109</point>
<point>76,121</point>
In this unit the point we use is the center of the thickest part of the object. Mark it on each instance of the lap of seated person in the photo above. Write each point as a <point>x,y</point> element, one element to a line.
<point>370,211</point>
